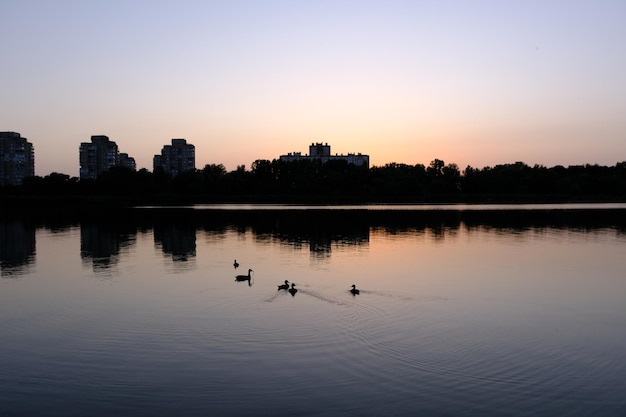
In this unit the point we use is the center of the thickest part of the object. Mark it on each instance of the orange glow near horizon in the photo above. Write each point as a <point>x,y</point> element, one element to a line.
<point>402,82</point>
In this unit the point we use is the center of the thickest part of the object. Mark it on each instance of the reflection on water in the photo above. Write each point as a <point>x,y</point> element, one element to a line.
<point>101,243</point>
<point>316,228</point>
<point>17,247</point>
<point>460,312</point>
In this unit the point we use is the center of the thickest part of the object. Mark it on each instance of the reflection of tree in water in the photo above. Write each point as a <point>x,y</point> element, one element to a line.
<point>17,247</point>
<point>319,229</point>
<point>436,225</point>
<point>440,232</point>
<point>519,221</point>
<point>320,248</point>
<point>442,224</point>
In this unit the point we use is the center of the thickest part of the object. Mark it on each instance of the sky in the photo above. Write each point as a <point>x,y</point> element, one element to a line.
<point>477,83</point>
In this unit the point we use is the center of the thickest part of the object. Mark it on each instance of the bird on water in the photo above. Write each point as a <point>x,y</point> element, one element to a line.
<point>354,291</point>
<point>236,264</point>
<point>284,286</point>
<point>244,277</point>
<point>293,289</point>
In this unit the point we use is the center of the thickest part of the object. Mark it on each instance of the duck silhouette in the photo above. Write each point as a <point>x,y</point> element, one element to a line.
<point>236,264</point>
<point>284,286</point>
<point>293,289</point>
<point>354,291</point>
<point>244,277</point>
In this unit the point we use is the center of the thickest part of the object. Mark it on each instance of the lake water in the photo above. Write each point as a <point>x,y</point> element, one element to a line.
<point>462,311</point>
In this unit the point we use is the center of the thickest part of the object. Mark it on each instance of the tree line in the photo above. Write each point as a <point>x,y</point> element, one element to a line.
<point>338,180</point>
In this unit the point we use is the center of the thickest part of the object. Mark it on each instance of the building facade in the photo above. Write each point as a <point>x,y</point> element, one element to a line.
<point>97,156</point>
<point>17,159</point>
<point>321,151</point>
<point>176,158</point>
<point>127,161</point>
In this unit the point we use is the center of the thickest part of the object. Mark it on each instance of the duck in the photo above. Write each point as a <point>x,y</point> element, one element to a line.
<point>354,291</point>
<point>244,277</point>
<point>284,286</point>
<point>236,264</point>
<point>293,290</point>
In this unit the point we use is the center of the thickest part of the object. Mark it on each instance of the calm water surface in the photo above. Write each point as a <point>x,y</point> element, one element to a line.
<point>462,311</point>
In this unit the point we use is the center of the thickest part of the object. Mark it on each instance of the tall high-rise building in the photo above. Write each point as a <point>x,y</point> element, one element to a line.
<point>97,156</point>
<point>17,159</point>
<point>176,158</point>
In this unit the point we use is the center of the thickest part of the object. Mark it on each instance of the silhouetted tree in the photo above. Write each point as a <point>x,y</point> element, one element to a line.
<point>213,176</point>
<point>263,176</point>
<point>435,169</point>
<point>311,177</point>
<point>117,180</point>
<point>236,182</point>
<point>188,182</point>
<point>400,180</point>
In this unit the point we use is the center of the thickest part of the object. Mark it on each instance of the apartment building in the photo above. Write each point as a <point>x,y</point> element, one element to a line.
<point>321,151</point>
<point>176,158</point>
<point>17,159</point>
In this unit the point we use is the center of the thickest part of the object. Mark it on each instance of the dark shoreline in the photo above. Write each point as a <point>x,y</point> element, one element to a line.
<point>120,201</point>
<point>291,222</point>
<point>110,205</point>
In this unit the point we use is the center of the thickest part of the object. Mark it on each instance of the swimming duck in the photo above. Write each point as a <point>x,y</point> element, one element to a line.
<point>293,289</point>
<point>354,291</point>
<point>244,277</point>
<point>236,264</point>
<point>284,286</point>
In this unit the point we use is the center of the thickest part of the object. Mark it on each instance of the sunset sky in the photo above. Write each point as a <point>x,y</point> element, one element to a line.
<point>475,83</point>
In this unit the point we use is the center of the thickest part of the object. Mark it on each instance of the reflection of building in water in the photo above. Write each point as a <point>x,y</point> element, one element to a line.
<point>101,244</point>
<point>177,240</point>
<point>322,231</point>
<point>321,152</point>
<point>322,246</point>
<point>17,247</point>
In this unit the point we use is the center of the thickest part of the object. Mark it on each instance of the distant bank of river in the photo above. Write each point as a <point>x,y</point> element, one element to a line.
<point>90,203</point>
